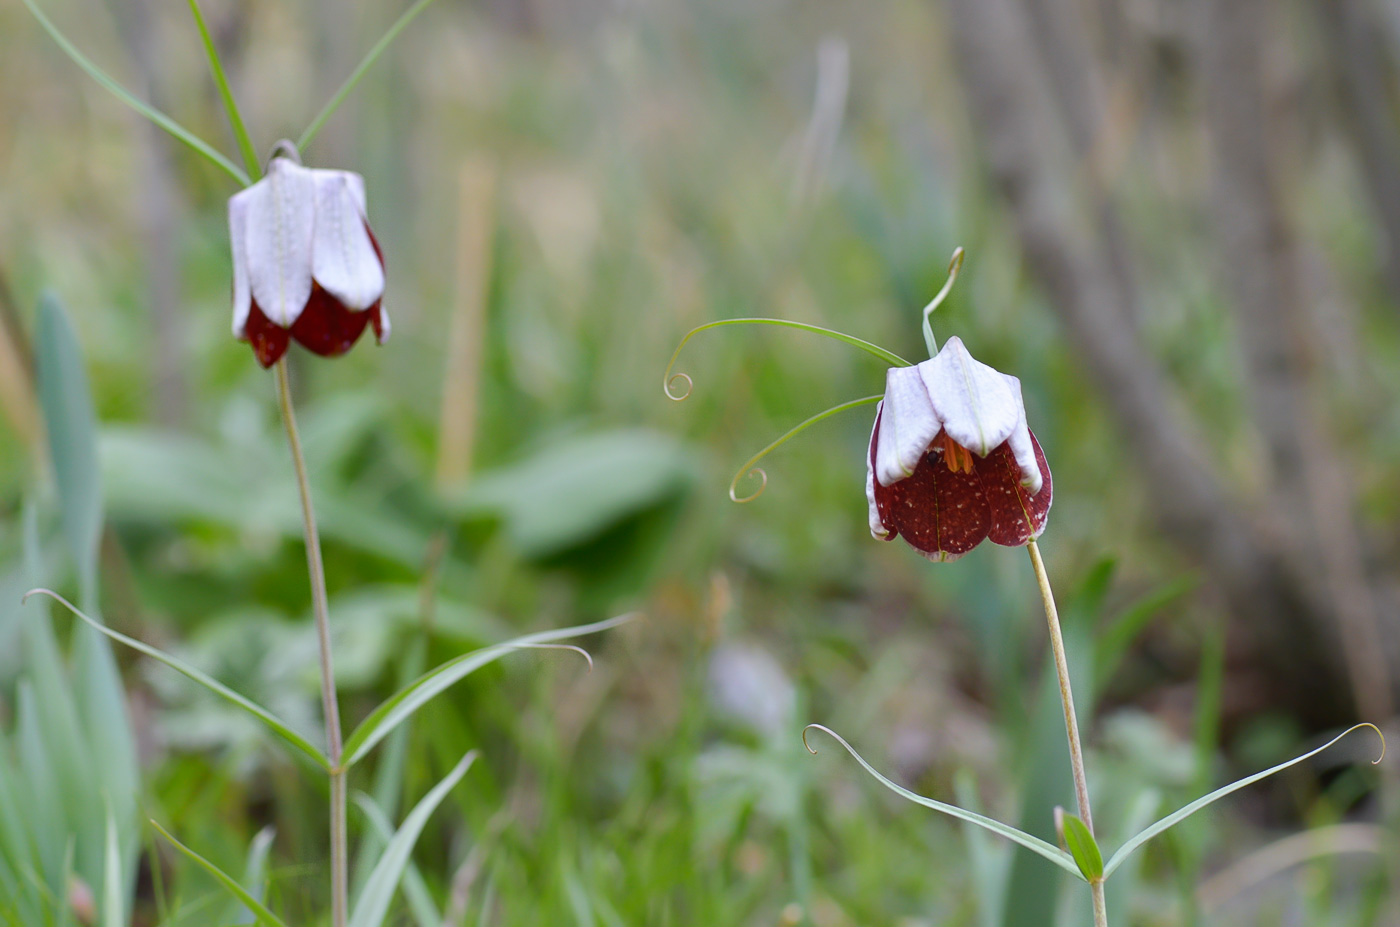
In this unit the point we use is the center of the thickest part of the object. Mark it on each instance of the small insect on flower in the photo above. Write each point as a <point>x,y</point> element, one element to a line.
<point>305,264</point>
<point>952,461</point>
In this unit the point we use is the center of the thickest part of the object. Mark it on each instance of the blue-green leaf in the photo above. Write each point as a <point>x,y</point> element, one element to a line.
<point>1183,813</point>
<point>277,726</point>
<point>400,706</point>
<point>1053,853</point>
<point>264,916</point>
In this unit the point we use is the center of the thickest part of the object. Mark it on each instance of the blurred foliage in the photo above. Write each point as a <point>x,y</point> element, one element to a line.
<point>642,164</point>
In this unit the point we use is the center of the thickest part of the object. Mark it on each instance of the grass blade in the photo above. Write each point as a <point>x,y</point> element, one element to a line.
<point>1053,853</point>
<point>373,903</point>
<point>142,107</point>
<point>394,710</point>
<point>277,726</point>
<point>263,915</point>
<point>1183,813</point>
<point>358,73</point>
<point>113,892</point>
<point>419,898</point>
<point>235,118</point>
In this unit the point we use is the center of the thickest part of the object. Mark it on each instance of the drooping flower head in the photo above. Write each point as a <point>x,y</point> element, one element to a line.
<point>305,264</point>
<point>952,462</point>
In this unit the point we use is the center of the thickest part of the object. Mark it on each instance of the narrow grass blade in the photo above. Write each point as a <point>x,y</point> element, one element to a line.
<point>394,710</point>
<point>373,903</point>
<point>263,915</point>
<point>235,118</point>
<point>113,891</point>
<point>1180,815</point>
<point>1053,853</point>
<point>894,360</point>
<point>1082,845</point>
<point>277,726</point>
<point>358,73</point>
<point>145,109</point>
<point>414,887</point>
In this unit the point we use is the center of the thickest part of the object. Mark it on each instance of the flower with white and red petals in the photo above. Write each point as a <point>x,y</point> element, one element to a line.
<point>305,264</point>
<point>952,461</point>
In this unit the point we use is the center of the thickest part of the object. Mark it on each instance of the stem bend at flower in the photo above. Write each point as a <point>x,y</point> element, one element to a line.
<point>668,380</point>
<point>749,467</point>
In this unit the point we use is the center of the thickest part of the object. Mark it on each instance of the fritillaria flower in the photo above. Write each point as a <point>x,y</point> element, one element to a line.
<point>305,264</point>
<point>952,462</point>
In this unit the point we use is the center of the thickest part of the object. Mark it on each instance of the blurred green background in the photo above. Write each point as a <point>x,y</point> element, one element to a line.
<point>1182,224</point>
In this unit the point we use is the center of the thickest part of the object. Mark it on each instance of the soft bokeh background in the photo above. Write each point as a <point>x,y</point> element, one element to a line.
<point>1182,223</point>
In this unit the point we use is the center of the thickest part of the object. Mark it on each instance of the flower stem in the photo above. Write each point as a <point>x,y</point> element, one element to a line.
<point>1076,754</point>
<point>339,854</point>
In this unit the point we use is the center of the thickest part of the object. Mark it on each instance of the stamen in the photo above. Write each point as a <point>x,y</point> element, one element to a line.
<point>957,457</point>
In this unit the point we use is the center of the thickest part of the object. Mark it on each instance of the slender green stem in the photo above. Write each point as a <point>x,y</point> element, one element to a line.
<point>1076,753</point>
<point>358,73</point>
<point>235,118</point>
<point>339,853</point>
<point>136,103</point>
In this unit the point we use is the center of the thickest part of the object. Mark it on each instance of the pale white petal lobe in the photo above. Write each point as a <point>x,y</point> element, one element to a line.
<point>237,233</point>
<point>972,401</point>
<point>343,261</point>
<point>280,218</point>
<point>1020,442</point>
<point>907,425</point>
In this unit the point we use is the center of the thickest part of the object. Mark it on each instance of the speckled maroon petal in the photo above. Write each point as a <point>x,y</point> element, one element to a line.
<point>326,327</point>
<point>1017,516</point>
<point>268,339</point>
<point>940,513</point>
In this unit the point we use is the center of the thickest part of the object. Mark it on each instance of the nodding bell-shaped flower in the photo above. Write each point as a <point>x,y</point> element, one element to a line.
<point>952,461</point>
<point>305,264</point>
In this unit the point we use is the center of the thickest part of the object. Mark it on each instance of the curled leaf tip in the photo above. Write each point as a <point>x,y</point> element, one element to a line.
<point>686,382</point>
<point>1380,734</point>
<point>820,727</point>
<point>573,647</point>
<point>955,262</point>
<point>734,485</point>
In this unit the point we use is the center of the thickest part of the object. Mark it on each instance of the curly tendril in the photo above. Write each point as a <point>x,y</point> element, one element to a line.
<point>954,265</point>
<point>749,467</point>
<point>668,380</point>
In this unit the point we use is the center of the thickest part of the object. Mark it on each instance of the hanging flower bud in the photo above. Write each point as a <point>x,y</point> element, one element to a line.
<point>952,461</point>
<point>305,264</point>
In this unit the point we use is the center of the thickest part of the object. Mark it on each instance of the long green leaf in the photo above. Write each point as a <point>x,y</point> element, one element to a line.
<point>130,99</point>
<point>277,726</point>
<point>1053,853</point>
<point>889,357</point>
<point>419,898</point>
<point>72,430</point>
<point>394,710</point>
<point>263,915</point>
<point>1183,813</point>
<point>373,903</point>
<point>235,118</point>
<point>358,73</point>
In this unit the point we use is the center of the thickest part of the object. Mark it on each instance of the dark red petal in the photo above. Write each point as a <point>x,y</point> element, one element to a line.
<point>269,340</point>
<point>940,513</point>
<point>1017,516</point>
<point>326,327</point>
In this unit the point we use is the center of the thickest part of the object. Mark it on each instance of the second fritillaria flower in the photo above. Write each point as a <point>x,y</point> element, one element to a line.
<point>952,461</point>
<point>305,264</point>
